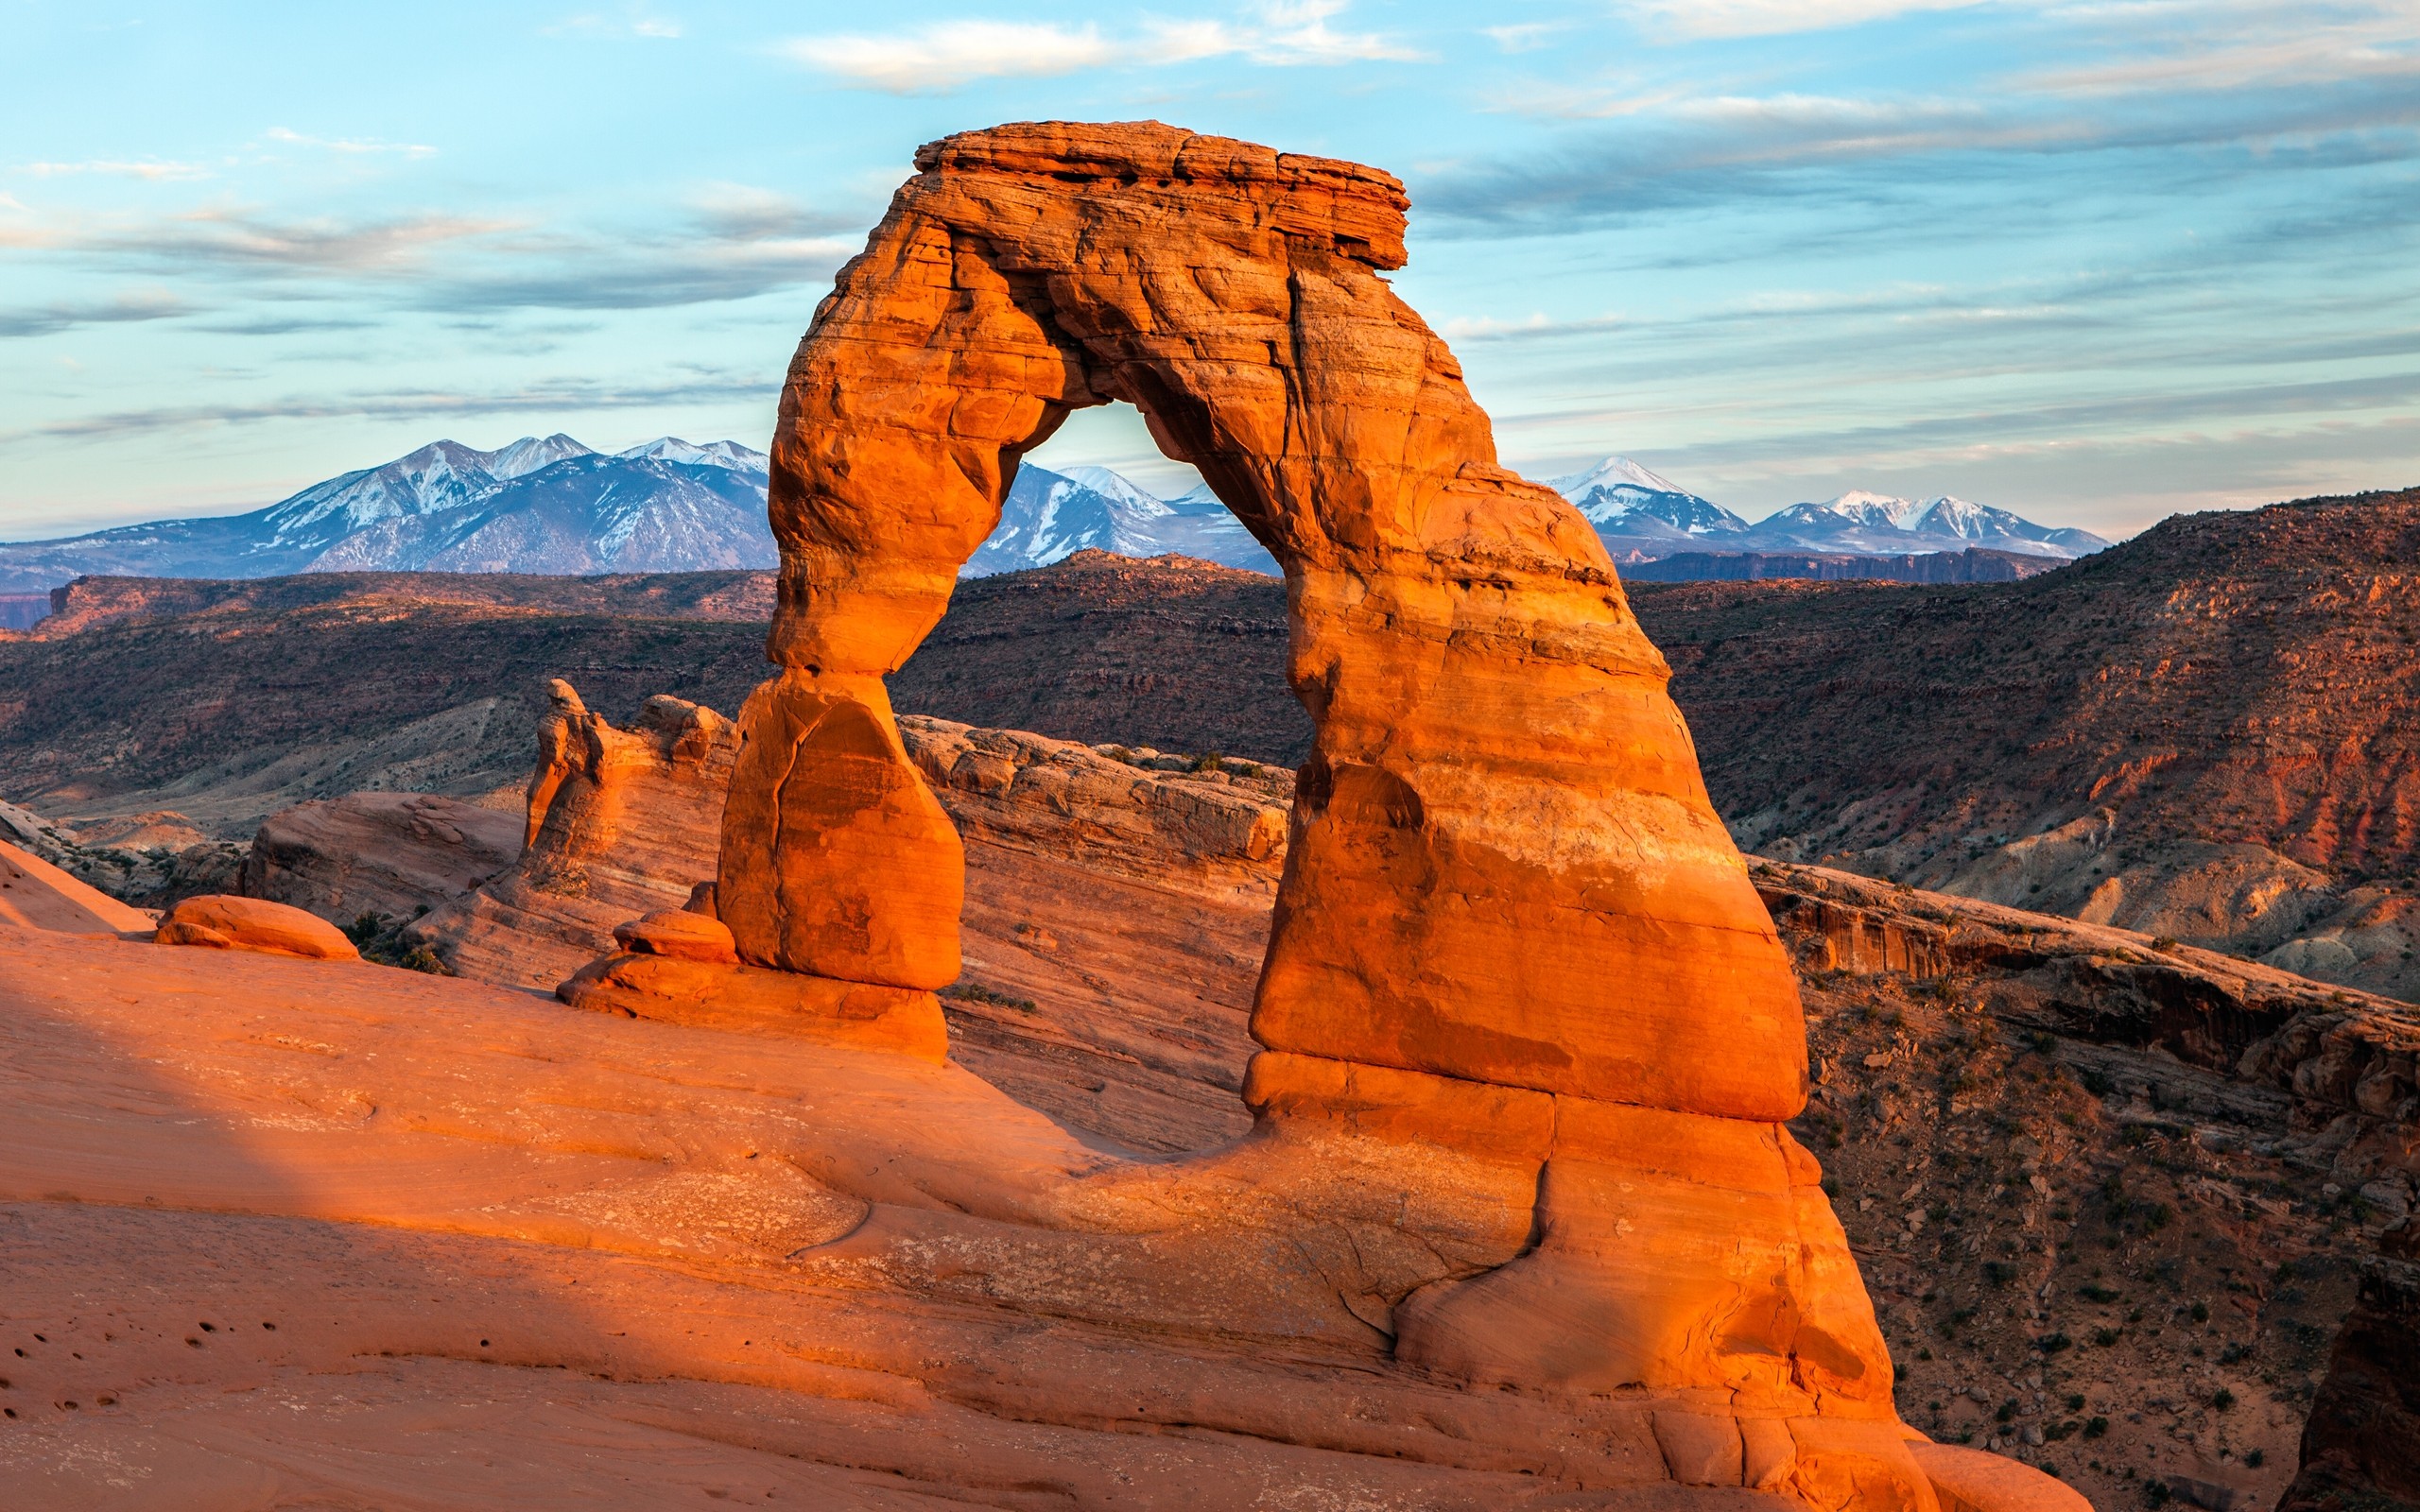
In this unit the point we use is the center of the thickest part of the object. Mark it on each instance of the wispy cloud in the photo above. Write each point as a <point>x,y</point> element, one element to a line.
<point>151,168</point>
<point>292,138</point>
<point>945,56</point>
<point>739,243</point>
<point>2248,44</point>
<point>560,395</point>
<point>1526,37</point>
<point>1695,152</point>
<point>51,319</point>
<point>237,239</point>
<point>949,55</point>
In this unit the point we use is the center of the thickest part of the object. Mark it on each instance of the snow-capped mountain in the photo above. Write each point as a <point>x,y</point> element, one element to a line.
<point>1882,525</point>
<point>1641,514</point>
<point>1983,526</point>
<point>540,504</point>
<point>1623,499</point>
<point>714,454</point>
<point>1048,516</point>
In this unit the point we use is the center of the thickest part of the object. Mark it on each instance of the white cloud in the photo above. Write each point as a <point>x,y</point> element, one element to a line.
<point>948,54</point>
<point>1693,19</point>
<point>408,150</point>
<point>2254,46</point>
<point>145,168</point>
<point>653,27</point>
<point>1527,37</point>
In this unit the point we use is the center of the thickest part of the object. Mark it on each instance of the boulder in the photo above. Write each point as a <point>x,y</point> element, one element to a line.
<point>678,934</point>
<point>222,923</point>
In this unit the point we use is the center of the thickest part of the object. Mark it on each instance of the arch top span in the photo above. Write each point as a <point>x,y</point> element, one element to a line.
<point>1504,868</point>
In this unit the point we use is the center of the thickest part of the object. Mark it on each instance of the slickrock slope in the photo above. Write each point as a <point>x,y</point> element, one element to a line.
<point>296,1234</point>
<point>36,895</point>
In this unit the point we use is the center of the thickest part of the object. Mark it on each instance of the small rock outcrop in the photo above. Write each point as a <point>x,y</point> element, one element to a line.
<point>616,827</point>
<point>218,921</point>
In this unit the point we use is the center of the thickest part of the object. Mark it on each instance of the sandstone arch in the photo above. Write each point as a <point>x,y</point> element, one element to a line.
<point>1505,867</point>
<point>1510,921</point>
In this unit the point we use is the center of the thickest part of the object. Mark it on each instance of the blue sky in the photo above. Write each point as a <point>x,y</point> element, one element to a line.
<point>2094,262</point>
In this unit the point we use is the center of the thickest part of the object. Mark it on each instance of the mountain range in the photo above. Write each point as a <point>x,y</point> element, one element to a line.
<point>1642,517</point>
<point>551,505</point>
<point>541,505</point>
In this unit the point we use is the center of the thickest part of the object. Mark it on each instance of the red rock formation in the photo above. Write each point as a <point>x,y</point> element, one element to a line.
<point>1458,634</point>
<point>1509,924</point>
<point>220,922</point>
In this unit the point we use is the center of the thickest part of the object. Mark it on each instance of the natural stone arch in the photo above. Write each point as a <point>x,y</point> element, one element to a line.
<point>1504,866</point>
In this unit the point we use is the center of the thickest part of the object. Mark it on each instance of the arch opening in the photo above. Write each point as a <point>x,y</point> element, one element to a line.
<point>1100,481</point>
